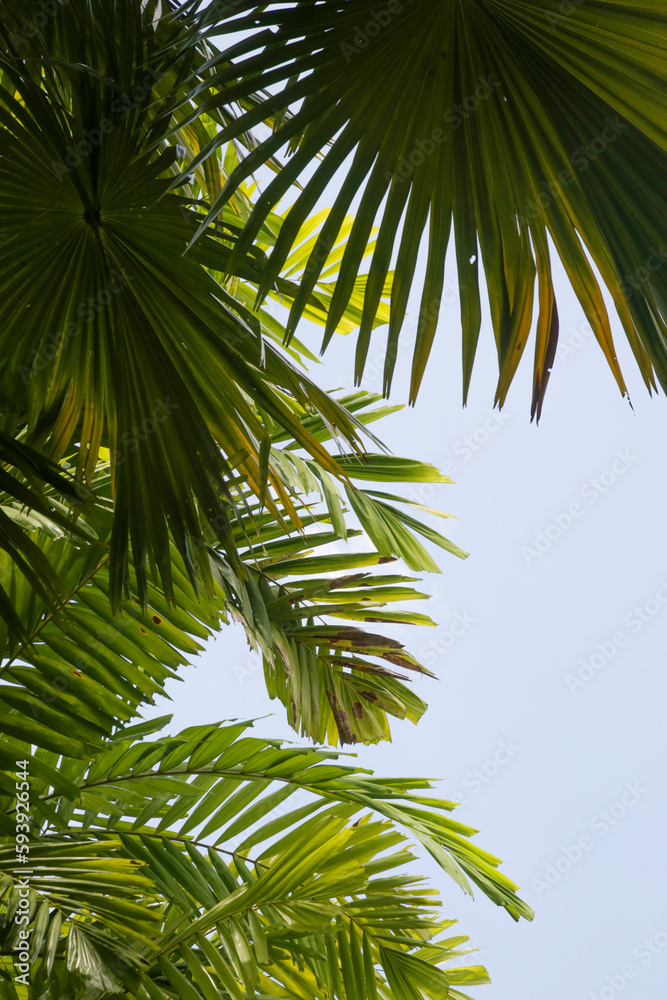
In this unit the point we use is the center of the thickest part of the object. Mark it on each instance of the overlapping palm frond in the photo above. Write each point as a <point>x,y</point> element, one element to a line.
<point>204,184</point>
<point>338,682</point>
<point>185,866</point>
<point>522,127</point>
<point>177,867</point>
<point>110,336</point>
<point>223,485</point>
<point>78,667</point>
<point>81,670</point>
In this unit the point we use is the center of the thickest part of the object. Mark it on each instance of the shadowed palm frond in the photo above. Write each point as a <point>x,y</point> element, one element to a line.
<point>32,490</point>
<point>176,370</point>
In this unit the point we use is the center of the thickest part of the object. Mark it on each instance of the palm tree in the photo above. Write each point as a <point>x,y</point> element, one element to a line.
<point>166,468</point>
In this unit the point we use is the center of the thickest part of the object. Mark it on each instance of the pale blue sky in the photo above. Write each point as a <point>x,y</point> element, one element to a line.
<point>570,759</point>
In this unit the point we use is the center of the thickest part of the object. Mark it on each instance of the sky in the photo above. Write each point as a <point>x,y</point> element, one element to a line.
<point>546,720</point>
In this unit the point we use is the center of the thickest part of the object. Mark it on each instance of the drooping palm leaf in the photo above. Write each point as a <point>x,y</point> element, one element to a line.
<point>204,185</point>
<point>78,668</point>
<point>523,127</point>
<point>339,682</point>
<point>184,866</point>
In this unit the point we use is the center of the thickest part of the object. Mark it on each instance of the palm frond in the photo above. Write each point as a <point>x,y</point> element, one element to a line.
<point>28,482</point>
<point>78,668</point>
<point>522,128</point>
<point>174,375</point>
<point>180,866</point>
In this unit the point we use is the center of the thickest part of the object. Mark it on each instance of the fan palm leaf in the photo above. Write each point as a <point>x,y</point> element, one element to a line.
<point>111,338</point>
<point>524,128</point>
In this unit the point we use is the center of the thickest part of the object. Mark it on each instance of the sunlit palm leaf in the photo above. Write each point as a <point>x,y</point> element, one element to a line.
<point>339,682</point>
<point>185,864</point>
<point>524,126</point>
<point>79,668</point>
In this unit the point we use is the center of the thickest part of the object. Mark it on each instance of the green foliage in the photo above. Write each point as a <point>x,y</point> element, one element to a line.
<point>79,666</point>
<point>215,864</point>
<point>199,436</point>
<point>522,127</point>
<point>167,467</point>
<point>178,373</point>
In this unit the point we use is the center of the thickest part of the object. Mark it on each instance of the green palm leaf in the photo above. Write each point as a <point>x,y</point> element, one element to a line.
<point>174,375</point>
<point>177,866</point>
<point>78,668</point>
<point>138,359</point>
<point>524,128</point>
<point>28,482</point>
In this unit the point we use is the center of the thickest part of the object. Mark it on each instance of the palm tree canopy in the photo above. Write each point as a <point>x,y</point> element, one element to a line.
<point>524,127</point>
<point>167,466</point>
<point>75,668</point>
<point>134,254</point>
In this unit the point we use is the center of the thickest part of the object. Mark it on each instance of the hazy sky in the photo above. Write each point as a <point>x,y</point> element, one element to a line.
<point>548,714</point>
